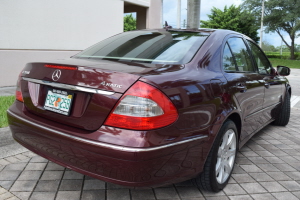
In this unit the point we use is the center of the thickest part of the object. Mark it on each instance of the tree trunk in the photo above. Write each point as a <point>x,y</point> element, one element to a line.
<point>293,48</point>
<point>193,14</point>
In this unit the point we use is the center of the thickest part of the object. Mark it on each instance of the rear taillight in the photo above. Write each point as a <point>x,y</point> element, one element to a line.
<point>19,95</point>
<point>142,107</point>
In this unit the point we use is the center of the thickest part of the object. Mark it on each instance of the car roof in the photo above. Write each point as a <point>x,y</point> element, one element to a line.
<point>206,31</point>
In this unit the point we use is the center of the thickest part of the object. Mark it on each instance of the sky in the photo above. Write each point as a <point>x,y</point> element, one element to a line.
<point>170,15</point>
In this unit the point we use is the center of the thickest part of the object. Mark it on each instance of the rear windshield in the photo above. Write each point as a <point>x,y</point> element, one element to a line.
<point>167,47</point>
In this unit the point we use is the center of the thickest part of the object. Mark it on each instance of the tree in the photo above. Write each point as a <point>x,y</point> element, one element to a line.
<point>129,23</point>
<point>233,18</point>
<point>284,48</point>
<point>280,16</point>
<point>268,47</point>
<point>297,47</point>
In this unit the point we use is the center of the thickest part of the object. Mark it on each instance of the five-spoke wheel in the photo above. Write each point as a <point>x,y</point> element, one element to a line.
<point>220,161</point>
<point>226,156</point>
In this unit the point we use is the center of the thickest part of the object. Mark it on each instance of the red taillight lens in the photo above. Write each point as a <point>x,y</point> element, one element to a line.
<point>142,107</point>
<point>61,67</point>
<point>19,95</point>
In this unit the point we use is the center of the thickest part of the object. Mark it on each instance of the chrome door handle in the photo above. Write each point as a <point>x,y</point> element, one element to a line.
<point>267,85</point>
<point>241,87</point>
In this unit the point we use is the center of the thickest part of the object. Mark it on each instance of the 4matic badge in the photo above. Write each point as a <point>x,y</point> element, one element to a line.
<point>25,72</point>
<point>111,85</point>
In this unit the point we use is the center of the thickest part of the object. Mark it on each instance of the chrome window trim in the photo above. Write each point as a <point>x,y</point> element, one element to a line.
<point>68,87</point>
<point>105,145</point>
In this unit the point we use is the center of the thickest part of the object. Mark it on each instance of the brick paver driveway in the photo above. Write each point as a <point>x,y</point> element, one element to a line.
<point>267,167</point>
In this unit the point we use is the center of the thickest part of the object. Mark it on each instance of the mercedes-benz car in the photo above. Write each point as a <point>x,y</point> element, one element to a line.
<point>151,107</point>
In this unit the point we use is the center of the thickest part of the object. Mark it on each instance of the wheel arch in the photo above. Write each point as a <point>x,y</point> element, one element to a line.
<point>289,90</point>
<point>236,118</point>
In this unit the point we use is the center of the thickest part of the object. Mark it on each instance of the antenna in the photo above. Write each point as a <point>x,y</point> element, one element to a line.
<point>167,26</point>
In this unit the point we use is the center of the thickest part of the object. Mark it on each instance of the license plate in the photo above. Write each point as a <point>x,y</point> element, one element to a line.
<point>59,101</point>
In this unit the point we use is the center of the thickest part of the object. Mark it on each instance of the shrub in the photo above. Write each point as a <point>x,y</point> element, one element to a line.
<point>285,55</point>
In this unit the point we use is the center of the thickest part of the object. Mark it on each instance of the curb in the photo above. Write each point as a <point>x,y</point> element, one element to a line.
<point>7,91</point>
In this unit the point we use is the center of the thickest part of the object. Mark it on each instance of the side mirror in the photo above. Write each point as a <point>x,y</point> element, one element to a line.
<point>283,70</point>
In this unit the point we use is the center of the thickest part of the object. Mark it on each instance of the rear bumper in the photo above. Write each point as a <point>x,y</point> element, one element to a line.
<point>124,165</point>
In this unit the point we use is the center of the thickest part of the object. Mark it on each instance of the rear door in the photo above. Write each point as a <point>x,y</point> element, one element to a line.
<point>272,83</point>
<point>244,82</point>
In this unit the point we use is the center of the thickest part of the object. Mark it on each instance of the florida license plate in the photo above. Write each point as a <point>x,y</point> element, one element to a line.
<point>59,101</point>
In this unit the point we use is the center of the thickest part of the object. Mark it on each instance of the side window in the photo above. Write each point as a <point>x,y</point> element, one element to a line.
<point>228,61</point>
<point>241,55</point>
<point>263,64</point>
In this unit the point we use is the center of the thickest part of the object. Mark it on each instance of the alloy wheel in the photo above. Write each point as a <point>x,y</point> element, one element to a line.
<point>226,156</point>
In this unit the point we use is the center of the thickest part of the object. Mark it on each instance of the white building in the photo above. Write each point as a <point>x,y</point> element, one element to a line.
<point>40,30</point>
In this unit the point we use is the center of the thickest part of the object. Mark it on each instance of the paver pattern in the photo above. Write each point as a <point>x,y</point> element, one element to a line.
<point>267,167</point>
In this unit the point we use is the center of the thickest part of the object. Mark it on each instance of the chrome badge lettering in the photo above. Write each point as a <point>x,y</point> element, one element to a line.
<point>111,85</point>
<point>25,72</point>
<point>56,75</point>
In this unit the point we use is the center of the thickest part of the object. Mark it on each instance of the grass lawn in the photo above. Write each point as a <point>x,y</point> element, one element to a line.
<point>285,55</point>
<point>5,102</point>
<point>288,63</point>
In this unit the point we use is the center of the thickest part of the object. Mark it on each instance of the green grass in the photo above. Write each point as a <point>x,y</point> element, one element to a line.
<point>5,102</point>
<point>285,55</point>
<point>288,63</point>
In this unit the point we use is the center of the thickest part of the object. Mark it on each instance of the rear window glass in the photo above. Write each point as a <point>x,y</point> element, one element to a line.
<point>228,60</point>
<point>167,47</point>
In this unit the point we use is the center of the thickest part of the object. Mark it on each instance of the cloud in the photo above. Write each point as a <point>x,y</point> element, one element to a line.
<point>170,12</point>
<point>170,15</point>
<point>208,5</point>
<point>275,40</point>
<point>170,9</point>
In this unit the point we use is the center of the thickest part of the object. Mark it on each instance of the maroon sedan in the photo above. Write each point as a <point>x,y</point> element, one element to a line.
<point>151,107</point>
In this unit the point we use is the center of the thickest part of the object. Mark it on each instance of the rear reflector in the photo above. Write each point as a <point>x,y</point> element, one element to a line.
<point>61,67</point>
<point>34,91</point>
<point>142,107</point>
<point>19,95</point>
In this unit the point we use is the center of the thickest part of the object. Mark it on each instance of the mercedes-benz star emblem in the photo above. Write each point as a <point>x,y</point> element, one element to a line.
<point>56,75</point>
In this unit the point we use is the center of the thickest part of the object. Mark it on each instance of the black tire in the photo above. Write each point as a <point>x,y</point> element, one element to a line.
<point>283,117</point>
<point>208,179</point>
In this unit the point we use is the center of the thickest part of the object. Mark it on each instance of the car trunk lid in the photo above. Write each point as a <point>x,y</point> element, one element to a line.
<point>92,87</point>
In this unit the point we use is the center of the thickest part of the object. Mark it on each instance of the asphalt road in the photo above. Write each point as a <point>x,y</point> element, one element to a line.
<point>294,79</point>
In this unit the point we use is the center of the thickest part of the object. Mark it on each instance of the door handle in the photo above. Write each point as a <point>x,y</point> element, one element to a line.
<point>241,87</point>
<point>265,82</point>
<point>267,85</point>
